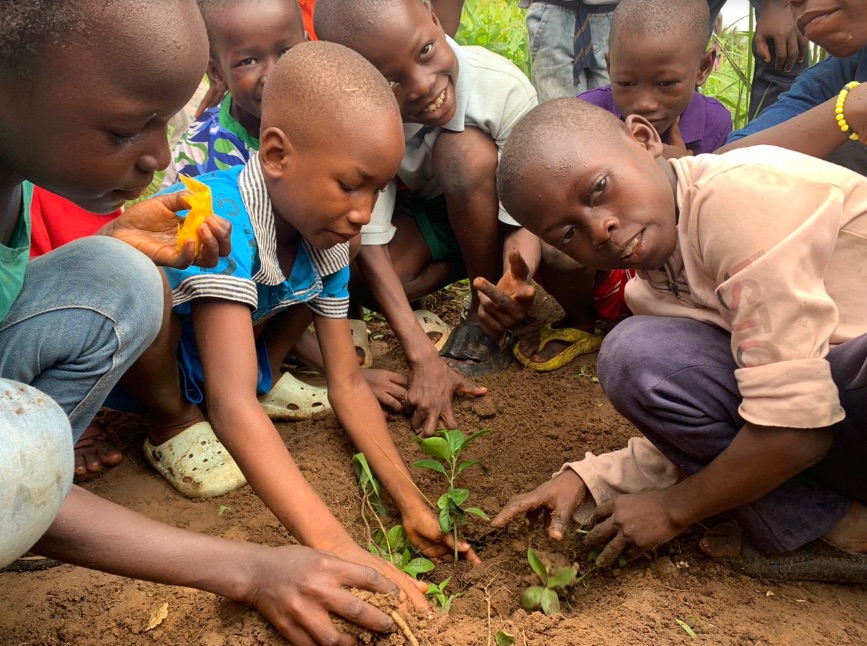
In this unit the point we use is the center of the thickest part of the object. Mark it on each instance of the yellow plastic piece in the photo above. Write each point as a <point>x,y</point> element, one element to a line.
<point>201,208</point>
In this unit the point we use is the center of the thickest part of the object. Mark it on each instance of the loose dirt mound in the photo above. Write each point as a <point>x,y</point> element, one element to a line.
<point>538,422</point>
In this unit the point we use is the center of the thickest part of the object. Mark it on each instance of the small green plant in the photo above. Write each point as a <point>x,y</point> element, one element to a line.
<point>546,597</point>
<point>583,372</point>
<point>446,447</point>
<point>502,638</point>
<point>394,546</point>
<point>437,594</point>
<point>686,628</point>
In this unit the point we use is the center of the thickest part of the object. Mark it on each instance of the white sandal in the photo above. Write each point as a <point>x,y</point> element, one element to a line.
<point>292,399</point>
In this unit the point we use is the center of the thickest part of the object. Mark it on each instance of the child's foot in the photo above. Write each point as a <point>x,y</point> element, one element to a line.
<point>94,453</point>
<point>162,431</point>
<point>722,541</point>
<point>850,534</point>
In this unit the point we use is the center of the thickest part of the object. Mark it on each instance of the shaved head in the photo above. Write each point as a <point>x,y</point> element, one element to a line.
<point>685,20</point>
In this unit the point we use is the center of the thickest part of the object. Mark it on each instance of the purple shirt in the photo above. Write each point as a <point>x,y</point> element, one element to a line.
<point>704,125</point>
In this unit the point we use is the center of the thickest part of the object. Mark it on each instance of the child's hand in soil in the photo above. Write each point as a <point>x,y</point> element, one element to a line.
<point>432,385</point>
<point>388,387</point>
<point>503,306</point>
<point>423,531</point>
<point>296,588</point>
<point>556,499</point>
<point>151,227</point>
<point>631,525</point>
<point>409,587</point>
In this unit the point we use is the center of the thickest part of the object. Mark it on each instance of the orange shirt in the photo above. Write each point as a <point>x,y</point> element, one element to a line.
<point>307,15</point>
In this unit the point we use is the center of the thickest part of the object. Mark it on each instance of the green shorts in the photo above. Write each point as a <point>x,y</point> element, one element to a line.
<point>432,218</point>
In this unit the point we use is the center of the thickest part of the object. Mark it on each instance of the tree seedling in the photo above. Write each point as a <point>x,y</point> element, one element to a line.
<point>437,593</point>
<point>446,447</point>
<point>546,597</point>
<point>394,546</point>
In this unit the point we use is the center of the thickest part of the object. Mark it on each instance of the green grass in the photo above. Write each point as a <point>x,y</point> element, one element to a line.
<point>497,25</point>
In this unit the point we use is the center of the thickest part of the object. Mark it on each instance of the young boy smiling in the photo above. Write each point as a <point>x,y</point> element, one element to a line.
<point>751,260</point>
<point>458,105</point>
<point>294,207</point>
<point>246,39</point>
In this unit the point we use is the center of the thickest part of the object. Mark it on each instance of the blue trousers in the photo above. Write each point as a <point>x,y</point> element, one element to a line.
<point>674,380</point>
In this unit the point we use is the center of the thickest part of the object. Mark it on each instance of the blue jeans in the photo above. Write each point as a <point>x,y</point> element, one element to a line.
<point>674,380</point>
<point>86,312</point>
<point>551,31</point>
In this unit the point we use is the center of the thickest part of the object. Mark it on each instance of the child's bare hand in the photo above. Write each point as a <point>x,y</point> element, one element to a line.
<point>389,387</point>
<point>423,531</point>
<point>503,306</point>
<point>855,110</point>
<point>776,25</point>
<point>631,525</point>
<point>296,587</point>
<point>409,588</point>
<point>677,148</point>
<point>557,499</point>
<point>212,98</point>
<point>432,385</point>
<point>151,226</point>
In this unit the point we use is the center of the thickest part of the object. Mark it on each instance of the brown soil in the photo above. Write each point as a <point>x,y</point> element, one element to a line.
<point>539,422</point>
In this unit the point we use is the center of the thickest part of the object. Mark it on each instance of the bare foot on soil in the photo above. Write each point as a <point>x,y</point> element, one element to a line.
<point>850,534</point>
<point>722,541</point>
<point>94,453</point>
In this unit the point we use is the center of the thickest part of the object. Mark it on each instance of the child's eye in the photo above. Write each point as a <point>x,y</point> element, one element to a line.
<point>427,49</point>
<point>346,188</point>
<point>566,237</point>
<point>246,62</point>
<point>394,85</point>
<point>598,188</point>
<point>667,83</point>
<point>121,139</point>
<point>624,83</point>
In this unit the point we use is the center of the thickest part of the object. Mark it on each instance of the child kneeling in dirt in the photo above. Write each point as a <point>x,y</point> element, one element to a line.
<point>458,105</point>
<point>750,338</point>
<point>293,209</point>
<point>658,58</point>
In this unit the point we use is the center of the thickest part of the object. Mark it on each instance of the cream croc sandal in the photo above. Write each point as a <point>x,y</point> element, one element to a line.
<point>430,322</point>
<point>196,463</point>
<point>360,340</point>
<point>292,399</point>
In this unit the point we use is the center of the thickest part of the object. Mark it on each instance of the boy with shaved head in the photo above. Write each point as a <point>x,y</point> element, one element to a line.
<point>750,263</point>
<point>72,321</point>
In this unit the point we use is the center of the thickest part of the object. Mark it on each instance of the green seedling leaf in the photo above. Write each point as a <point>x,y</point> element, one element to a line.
<point>484,431</point>
<point>621,561</point>
<point>436,447</point>
<point>223,510</point>
<point>433,465</point>
<point>478,512</point>
<point>418,566</point>
<point>443,501</point>
<point>531,598</point>
<point>455,440</point>
<point>562,577</point>
<point>537,565</point>
<point>550,602</point>
<point>466,465</point>
<point>396,538</point>
<point>445,520</point>
<point>686,628</point>
<point>459,496</point>
<point>502,638</point>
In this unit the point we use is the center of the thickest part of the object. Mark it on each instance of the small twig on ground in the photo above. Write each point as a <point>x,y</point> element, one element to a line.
<point>407,632</point>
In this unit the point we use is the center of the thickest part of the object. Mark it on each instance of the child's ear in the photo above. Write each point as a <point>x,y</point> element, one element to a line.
<point>608,62</point>
<point>276,152</point>
<point>705,67</point>
<point>642,131</point>
<point>216,78</point>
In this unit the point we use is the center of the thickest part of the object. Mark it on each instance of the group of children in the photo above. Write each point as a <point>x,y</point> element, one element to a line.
<point>438,159</point>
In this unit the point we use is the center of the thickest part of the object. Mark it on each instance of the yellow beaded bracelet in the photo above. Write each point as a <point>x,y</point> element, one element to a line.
<point>838,110</point>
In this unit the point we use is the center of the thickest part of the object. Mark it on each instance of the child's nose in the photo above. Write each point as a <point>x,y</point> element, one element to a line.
<point>420,85</point>
<point>645,102</point>
<point>157,156</point>
<point>601,229</point>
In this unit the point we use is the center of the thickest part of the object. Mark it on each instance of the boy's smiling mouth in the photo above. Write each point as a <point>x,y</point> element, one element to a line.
<point>437,104</point>
<point>628,249</point>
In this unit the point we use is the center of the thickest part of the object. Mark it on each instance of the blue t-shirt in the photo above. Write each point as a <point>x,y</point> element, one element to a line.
<point>704,124</point>
<point>816,85</point>
<point>251,273</point>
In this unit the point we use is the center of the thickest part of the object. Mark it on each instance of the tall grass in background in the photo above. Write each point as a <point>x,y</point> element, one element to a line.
<point>499,26</point>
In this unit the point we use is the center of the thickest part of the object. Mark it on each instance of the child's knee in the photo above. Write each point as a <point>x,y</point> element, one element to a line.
<point>36,458</point>
<point>465,162</point>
